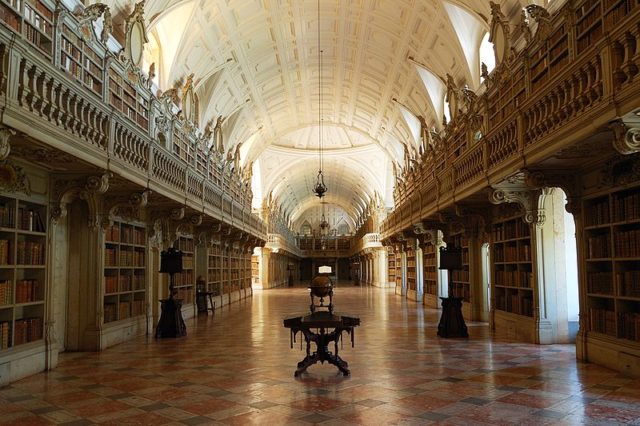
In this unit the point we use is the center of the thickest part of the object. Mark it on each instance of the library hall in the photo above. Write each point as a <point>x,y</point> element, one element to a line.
<point>336,212</point>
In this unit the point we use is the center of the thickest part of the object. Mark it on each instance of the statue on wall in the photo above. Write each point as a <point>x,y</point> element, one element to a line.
<point>452,97</point>
<point>217,135</point>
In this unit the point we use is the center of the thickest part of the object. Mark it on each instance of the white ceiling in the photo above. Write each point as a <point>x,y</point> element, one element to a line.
<point>256,64</point>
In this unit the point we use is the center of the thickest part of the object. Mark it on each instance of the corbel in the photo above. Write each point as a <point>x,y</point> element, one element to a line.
<point>87,189</point>
<point>515,190</point>
<point>130,207</point>
<point>626,135</point>
<point>562,179</point>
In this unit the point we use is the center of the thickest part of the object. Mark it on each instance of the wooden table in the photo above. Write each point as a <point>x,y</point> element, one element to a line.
<point>322,328</point>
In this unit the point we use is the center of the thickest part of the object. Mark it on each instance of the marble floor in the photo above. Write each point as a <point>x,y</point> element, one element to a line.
<point>236,368</point>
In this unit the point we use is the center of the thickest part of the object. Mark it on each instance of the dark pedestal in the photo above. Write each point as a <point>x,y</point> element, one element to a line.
<point>451,322</point>
<point>171,323</point>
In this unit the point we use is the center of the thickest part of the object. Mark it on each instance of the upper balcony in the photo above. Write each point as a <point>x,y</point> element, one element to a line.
<point>71,91</point>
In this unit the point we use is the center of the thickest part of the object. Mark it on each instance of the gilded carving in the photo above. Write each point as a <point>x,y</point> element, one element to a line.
<point>13,178</point>
<point>543,19</point>
<point>499,34</point>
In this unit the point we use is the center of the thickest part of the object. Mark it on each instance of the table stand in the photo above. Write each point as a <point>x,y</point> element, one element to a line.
<point>322,354</point>
<point>171,323</point>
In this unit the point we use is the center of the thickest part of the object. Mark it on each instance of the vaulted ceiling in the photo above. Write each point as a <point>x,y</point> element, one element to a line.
<point>256,63</point>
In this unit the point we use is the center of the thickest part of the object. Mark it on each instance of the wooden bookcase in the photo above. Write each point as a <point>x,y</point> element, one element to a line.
<point>124,97</point>
<point>80,61</point>
<point>460,284</point>
<point>33,19</point>
<point>125,282</point>
<point>246,270</point>
<point>513,274</point>
<point>398,273</point>
<point>612,263</point>
<point>411,272</point>
<point>185,281</point>
<point>430,275</point>
<point>23,240</point>
<point>214,270</point>
<point>391,265</point>
<point>182,147</point>
<point>255,270</point>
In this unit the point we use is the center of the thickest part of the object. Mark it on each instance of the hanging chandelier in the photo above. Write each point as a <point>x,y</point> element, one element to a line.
<point>320,188</point>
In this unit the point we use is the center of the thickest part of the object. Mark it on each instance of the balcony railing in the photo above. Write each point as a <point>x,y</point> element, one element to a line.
<point>536,106</point>
<point>77,96</point>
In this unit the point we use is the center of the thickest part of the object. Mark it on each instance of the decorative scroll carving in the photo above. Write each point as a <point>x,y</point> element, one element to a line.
<point>626,139</point>
<point>196,219</point>
<point>452,97</point>
<point>87,189</point>
<point>515,190</point>
<point>620,171</point>
<point>89,15</point>
<point>5,146</point>
<point>177,214</point>
<point>131,208</point>
<point>499,34</point>
<point>542,17</point>
<point>523,27</point>
<point>13,178</point>
<point>135,35</point>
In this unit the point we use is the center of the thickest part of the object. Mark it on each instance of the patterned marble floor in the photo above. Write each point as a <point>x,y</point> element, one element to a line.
<point>236,368</point>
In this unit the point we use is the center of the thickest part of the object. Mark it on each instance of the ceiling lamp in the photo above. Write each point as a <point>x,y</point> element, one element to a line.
<point>320,188</point>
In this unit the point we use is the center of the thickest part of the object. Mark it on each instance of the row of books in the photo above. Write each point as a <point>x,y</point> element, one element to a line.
<point>628,282</point>
<point>627,243</point>
<point>184,278</point>
<point>27,330</point>
<point>629,325</point>
<point>6,215</point>
<point>30,220</point>
<point>602,321</point>
<point>515,304</point>
<point>126,234</point>
<point>27,291</point>
<point>125,257</point>
<point>522,279</point>
<point>185,245</point>
<point>626,207</point>
<point>430,288</point>
<point>460,290</point>
<point>30,253</point>
<point>460,276</point>
<point>186,294</point>
<point>598,246</point>
<point>600,282</point>
<point>5,252</point>
<point>5,334</point>
<point>511,229</point>
<point>115,283</point>
<point>597,213</point>
<point>123,310</point>
<point>512,253</point>
<point>6,294</point>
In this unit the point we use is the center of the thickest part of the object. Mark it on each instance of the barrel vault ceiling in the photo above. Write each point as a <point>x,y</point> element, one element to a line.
<point>256,64</point>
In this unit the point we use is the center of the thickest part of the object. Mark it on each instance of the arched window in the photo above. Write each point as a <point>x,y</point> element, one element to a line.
<point>487,55</point>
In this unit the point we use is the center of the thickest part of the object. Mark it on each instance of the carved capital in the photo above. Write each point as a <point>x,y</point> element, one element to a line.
<point>196,219</point>
<point>514,189</point>
<point>98,184</point>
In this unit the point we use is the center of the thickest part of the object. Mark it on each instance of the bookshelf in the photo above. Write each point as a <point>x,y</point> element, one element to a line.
<point>411,270</point>
<point>430,274</point>
<point>460,284</point>
<point>185,281</point>
<point>124,97</point>
<point>255,270</point>
<point>182,147</point>
<point>513,272</point>
<point>588,24</point>
<point>23,241</point>
<point>391,265</point>
<point>214,270</point>
<point>612,263</point>
<point>33,19</point>
<point>398,274</point>
<point>124,272</point>
<point>80,61</point>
